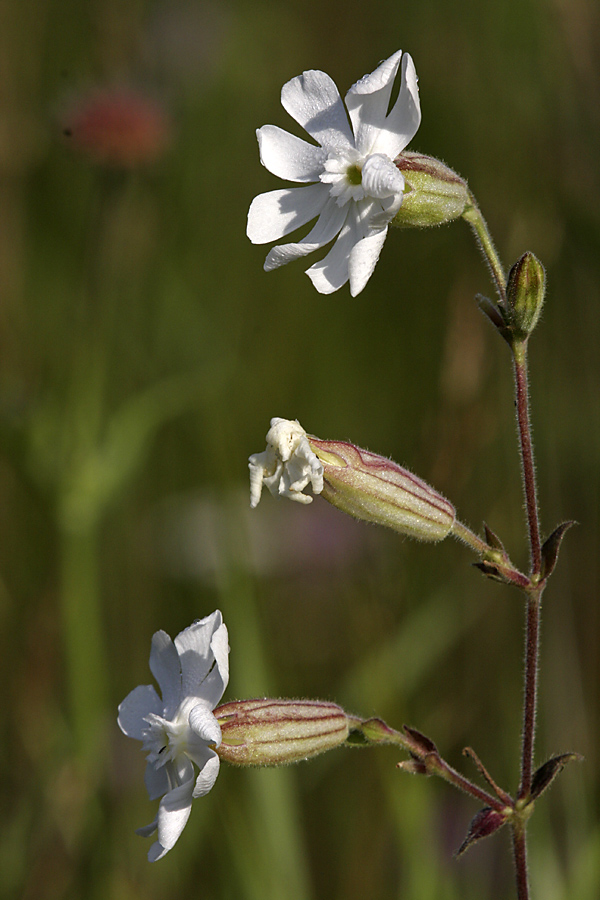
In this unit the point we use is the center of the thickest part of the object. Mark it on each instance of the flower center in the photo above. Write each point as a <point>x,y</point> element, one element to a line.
<point>165,740</point>
<point>343,172</point>
<point>354,175</point>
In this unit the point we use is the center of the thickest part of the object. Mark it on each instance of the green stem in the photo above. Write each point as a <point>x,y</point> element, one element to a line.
<point>471,539</point>
<point>473,216</point>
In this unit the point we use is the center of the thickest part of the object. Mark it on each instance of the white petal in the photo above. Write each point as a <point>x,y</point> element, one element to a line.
<point>288,156</point>
<point>366,220</point>
<point>368,102</point>
<point>156,780</point>
<point>197,654</point>
<point>325,229</point>
<point>208,775</point>
<point>276,213</point>
<point>259,464</point>
<point>363,259</point>
<point>217,679</point>
<point>204,725</point>
<point>139,703</point>
<point>147,830</point>
<point>331,273</point>
<point>381,178</point>
<point>166,668</point>
<point>313,100</point>
<point>173,813</point>
<point>404,119</point>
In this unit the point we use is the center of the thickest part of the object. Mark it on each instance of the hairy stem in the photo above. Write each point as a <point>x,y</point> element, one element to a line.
<point>520,857</point>
<point>473,216</point>
<point>530,690</point>
<point>376,731</point>
<point>469,538</point>
<point>528,468</point>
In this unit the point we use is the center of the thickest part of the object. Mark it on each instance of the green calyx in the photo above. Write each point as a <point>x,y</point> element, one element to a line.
<point>433,195</point>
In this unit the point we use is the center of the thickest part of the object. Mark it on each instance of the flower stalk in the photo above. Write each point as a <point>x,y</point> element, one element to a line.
<point>474,217</point>
<point>517,314</point>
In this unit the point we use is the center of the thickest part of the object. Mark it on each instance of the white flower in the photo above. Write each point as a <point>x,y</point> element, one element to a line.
<point>287,466</point>
<point>357,189</point>
<point>179,730</point>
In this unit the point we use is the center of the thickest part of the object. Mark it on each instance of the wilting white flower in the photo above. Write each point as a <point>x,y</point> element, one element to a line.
<point>192,672</point>
<point>363,484</point>
<point>351,182</point>
<point>287,466</point>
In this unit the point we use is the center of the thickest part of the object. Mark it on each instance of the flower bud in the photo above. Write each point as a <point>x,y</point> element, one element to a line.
<point>275,732</point>
<point>525,292</point>
<point>376,489</point>
<point>433,193</point>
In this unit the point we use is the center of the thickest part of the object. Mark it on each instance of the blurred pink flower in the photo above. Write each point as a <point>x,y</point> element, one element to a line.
<point>118,126</point>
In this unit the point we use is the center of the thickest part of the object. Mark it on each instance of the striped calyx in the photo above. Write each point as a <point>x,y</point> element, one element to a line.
<point>276,732</point>
<point>376,489</point>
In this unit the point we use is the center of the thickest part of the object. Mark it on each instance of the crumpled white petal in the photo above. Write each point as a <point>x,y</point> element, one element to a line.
<point>205,725</point>
<point>287,466</point>
<point>381,178</point>
<point>357,188</point>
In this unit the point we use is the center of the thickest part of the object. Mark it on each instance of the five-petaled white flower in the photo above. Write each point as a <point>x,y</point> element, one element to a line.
<point>287,466</point>
<point>192,672</point>
<point>357,189</point>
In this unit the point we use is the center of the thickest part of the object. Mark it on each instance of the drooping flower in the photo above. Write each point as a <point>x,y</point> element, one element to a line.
<point>179,730</point>
<point>350,180</point>
<point>363,484</point>
<point>287,466</point>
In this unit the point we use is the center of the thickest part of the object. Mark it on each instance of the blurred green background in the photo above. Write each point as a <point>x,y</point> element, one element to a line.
<point>143,352</point>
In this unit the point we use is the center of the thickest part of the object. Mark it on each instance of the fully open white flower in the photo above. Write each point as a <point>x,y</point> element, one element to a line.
<point>192,672</point>
<point>287,466</point>
<point>351,182</point>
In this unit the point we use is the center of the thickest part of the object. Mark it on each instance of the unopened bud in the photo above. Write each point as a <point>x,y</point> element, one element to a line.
<point>525,292</point>
<point>376,489</point>
<point>276,732</point>
<point>433,193</point>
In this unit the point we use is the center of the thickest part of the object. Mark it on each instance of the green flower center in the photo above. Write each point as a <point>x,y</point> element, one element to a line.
<point>354,175</point>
